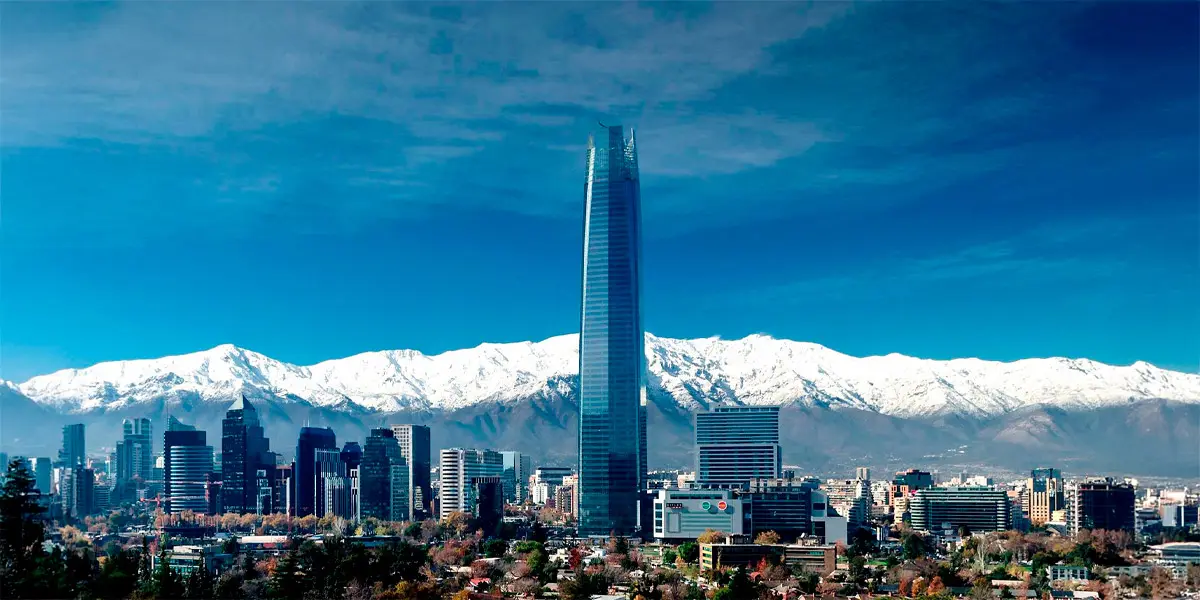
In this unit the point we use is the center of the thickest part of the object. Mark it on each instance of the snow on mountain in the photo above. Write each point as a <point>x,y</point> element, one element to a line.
<point>695,373</point>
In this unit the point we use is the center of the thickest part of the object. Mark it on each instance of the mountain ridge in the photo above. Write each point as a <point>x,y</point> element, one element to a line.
<point>691,373</point>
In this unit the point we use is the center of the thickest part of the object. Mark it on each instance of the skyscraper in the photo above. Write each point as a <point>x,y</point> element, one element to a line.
<point>245,451</point>
<point>1100,503</point>
<point>612,386</point>
<point>459,468</point>
<point>518,467</point>
<point>74,447</point>
<point>41,469</point>
<point>134,458</point>
<point>187,464</point>
<point>737,444</point>
<point>305,476</point>
<point>1044,494</point>
<point>328,467</point>
<point>414,446</point>
<point>380,454</point>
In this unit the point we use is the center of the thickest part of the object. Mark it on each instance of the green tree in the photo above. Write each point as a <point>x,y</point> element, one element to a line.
<point>166,583</point>
<point>21,532</point>
<point>584,585</point>
<point>285,581</point>
<point>413,530</point>
<point>199,585</point>
<point>690,551</point>
<point>668,556</point>
<point>495,548</point>
<point>913,546</point>
<point>740,585</point>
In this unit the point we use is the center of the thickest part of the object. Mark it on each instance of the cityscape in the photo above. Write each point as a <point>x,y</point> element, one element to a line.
<point>609,463</point>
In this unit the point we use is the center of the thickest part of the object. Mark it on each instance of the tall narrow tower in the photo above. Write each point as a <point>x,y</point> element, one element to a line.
<point>612,388</point>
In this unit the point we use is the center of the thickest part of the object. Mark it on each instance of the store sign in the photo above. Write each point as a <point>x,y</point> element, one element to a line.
<point>674,505</point>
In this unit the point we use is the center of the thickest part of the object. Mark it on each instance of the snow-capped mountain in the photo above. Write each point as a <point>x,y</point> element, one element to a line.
<point>694,373</point>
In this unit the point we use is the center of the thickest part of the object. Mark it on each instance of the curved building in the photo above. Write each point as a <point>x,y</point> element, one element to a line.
<point>187,463</point>
<point>612,389</point>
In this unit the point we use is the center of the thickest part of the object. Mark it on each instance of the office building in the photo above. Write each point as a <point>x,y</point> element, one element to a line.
<point>1043,495</point>
<point>101,498</point>
<point>735,444</point>
<point>1100,503</point>
<point>134,458</point>
<point>74,446</point>
<point>862,474</point>
<point>351,455</point>
<point>380,454</point>
<point>245,459</point>
<point>458,468</point>
<point>328,466</point>
<point>488,494</point>
<point>338,500</point>
<point>75,490</point>
<point>306,472</point>
<point>819,560</point>
<point>571,483</point>
<point>612,371</point>
<point>1178,515</point>
<point>905,484</point>
<point>401,491</point>
<point>415,448</point>
<point>518,468</point>
<point>42,469</point>
<point>212,494</point>
<point>947,510</point>
<point>552,476</point>
<point>682,515</point>
<point>851,498</point>
<point>187,466</point>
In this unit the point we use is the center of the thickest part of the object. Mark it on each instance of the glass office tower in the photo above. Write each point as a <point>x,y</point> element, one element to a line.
<point>612,389</point>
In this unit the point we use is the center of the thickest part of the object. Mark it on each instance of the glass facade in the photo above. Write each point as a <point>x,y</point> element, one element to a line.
<point>737,444</point>
<point>612,389</point>
<point>306,472</point>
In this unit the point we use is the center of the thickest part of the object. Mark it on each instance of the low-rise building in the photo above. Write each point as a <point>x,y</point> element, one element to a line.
<point>184,560</point>
<point>821,560</point>
<point>1068,573</point>
<point>682,515</point>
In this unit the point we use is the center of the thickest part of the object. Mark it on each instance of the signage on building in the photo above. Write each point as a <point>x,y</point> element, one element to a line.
<point>674,505</point>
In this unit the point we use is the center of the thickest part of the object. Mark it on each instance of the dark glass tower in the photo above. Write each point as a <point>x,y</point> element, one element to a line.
<point>244,452</point>
<point>305,476</point>
<point>74,448</point>
<point>612,391</point>
<point>375,474</point>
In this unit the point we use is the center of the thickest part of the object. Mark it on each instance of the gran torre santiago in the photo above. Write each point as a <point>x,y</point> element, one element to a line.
<point>612,364</point>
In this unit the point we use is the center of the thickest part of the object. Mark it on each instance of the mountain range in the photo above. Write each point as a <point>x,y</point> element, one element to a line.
<point>838,409</point>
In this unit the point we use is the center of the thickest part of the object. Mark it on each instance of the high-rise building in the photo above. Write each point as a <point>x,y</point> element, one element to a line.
<point>41,468</point>
<point>328,467</point>
<point>352,455</point>
<point>571,484</point>
<point>458,468</point>
<point>380,454</point>
<point>488,494</point>
<point>245,460</point>
<point>401,492</point>
<point>134,458</point>
<point>1043,494</point>
<point>306,474</point>
<point>1100,503</point>
<point>906,483</point>
<point>517,469</point>
<point>736,444</point>
<point>74,446</point>
<point>76,491</point>
<point>977,509</point>
<point>414,446</point>
<point>612,371</point>
<point>187,465</point>
<point>862,473</point>
<point>851,498</point>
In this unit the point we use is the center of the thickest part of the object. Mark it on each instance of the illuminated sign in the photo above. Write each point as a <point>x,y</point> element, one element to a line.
<point>722,505</point>
<point>674,505</point>
<point>706,505</point>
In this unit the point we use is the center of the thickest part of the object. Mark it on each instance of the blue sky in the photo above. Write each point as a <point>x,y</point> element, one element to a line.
<point>312,180</point>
